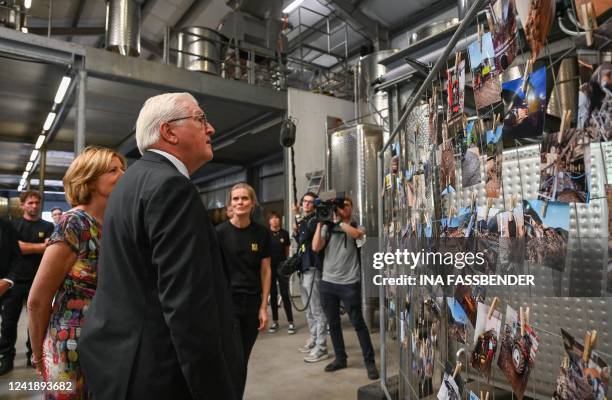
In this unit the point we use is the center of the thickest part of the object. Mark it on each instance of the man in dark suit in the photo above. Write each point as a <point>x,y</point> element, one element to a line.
<point>160,324</point>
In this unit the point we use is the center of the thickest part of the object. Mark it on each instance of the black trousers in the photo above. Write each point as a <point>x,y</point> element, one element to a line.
<point>350,295</point>
<point>246,322</point>
<point>283,284</point>
<point>12,304</point>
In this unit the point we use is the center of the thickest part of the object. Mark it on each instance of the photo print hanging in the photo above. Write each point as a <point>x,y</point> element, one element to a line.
<point>537,17</point>
<point>583,375</point>
<point>518,348</point>
<point>525,106</point>
<point>470,157</point>
<point>502,24</point>
<point>595,101</point>
<point>447,168</point>
<point>546,232</point>
<point>457,320</point>
<point>455,92</point>
<point>485,73</point>
<point>493,167</point>
<point>563,168</point>
<point>486,337</point>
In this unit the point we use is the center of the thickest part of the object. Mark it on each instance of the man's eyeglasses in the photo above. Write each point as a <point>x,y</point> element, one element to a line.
<point>201,118</point>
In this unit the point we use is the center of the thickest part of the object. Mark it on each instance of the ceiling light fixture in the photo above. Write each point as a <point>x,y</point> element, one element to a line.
<point>49,121</point>
<point>39,142</point>
<point>29,166</point>
<point>62,89</point>
<point>27,4</point>
<point>24,29</point>
<point>295,4</point>
<point>25,175</point>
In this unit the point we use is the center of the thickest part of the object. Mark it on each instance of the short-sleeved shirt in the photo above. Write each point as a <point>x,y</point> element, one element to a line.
<point>30,232</point>
<point>279,241</point>
<point>243,249</point>
<point>341,264</point>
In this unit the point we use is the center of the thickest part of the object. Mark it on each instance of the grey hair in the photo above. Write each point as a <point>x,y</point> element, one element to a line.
<point>155,111</point>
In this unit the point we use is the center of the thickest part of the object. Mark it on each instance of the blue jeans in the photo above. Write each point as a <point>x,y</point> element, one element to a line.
<point>350,295</point>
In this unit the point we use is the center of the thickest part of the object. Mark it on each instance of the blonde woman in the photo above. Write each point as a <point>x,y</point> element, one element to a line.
<point>66,279</point>
<point>245,246</point>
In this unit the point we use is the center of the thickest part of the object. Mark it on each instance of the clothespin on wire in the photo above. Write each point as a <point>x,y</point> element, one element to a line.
<point>566,117</point>
<point>492,308</point>
<point>457,369</point>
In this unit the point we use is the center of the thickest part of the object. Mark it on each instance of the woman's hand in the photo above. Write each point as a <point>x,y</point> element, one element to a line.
<point>37,361</point>
<point>263,318</point>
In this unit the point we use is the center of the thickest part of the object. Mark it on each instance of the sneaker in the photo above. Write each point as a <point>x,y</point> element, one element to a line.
<point>291,329</point>
<point>307,348</point>
<point>316,356</point>
<point>274,327</point>
<point>6,365</point>
<point>372,371</point>
<point>335,365</point>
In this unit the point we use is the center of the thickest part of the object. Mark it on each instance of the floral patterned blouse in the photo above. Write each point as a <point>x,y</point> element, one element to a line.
<point>82,233</point>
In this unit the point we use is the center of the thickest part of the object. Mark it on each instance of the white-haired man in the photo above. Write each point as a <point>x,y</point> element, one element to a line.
<point>160,324</point>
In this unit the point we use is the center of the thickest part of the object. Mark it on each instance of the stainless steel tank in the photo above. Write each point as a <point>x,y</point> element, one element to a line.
<point>200,49</point>
<point>351,168</point>
<point>123,27</point>
<point>370,107</point>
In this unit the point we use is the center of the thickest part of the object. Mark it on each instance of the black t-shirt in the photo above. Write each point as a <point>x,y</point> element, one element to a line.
<point>278,242</point>
<point>243,249</point>
<point>30,232</point>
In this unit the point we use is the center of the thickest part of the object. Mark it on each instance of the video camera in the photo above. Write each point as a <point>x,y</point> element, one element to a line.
<point>327,204</point>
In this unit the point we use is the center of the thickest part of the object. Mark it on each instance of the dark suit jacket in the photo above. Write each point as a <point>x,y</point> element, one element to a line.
<point>160,323</point>
<point>9,250</point>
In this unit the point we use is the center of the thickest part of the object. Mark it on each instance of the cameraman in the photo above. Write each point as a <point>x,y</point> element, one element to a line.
<point>310,280</point>
<point>342,282</point>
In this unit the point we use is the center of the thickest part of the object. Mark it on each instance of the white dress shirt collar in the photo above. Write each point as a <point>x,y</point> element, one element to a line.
<point>175,161</point>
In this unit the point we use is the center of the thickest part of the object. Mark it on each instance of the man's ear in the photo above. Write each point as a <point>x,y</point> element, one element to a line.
<point>167,134</point>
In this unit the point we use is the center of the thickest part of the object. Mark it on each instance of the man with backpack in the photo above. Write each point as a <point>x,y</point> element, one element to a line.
<point>310,280</point>
<point>341,282</point>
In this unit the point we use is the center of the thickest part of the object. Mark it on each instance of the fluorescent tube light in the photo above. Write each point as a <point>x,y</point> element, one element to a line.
<point>25,175</point>
<point>39,142</point>
<point>295,4</point>
<point>27,4</point>
<point>49,121</point>
<point>29,166</point>
<point>34,155</point>
<point>61,90</point>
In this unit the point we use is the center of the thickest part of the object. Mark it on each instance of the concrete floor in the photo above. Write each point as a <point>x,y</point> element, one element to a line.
<point>276,368</point>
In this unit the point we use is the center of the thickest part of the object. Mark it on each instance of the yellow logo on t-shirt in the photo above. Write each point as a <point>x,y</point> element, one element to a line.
<point>254,247</point>
<point>41,234</point>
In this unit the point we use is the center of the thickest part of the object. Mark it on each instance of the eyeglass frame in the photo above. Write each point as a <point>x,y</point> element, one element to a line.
<point>204,120</point>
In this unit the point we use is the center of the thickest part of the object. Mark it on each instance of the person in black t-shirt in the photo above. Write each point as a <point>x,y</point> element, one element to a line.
<point>33,234</point>
<point>245,246</point>
<point>9,253</point>
<point>279,250</point>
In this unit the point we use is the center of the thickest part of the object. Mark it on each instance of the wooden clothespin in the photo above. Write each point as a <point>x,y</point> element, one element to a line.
<point>565,364</point>
<point>593,338</point>
<point>482,126</point>
<point>486,396</point>
<point>480,34</point>
<point>481,395</point>
<point>492,308</point>
<point>511,211</point>
<point>489,204</point>
<point>586,353</point>
<point>457,369</point>
<point>544,207</point>
<point>526,317</point>
<point>565,122</point>
<point>589,21</point>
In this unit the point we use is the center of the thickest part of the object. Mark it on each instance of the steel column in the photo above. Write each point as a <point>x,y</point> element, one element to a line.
<point>79,139</point>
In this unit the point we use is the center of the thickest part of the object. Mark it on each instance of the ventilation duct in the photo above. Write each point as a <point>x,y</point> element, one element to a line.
<point>123,27</point>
